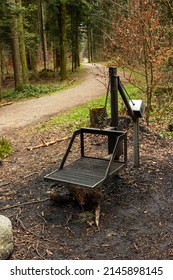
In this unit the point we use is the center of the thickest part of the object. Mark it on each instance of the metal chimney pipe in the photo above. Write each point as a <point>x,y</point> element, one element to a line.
<point>114,95</point>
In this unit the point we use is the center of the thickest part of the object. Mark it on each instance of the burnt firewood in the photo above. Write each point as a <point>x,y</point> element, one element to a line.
<point>170,127</point>
<point>87,198</point>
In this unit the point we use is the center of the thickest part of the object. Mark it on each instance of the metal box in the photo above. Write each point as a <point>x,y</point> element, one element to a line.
<point>137,107</point>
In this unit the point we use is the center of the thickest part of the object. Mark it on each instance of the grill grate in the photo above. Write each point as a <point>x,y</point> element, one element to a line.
<point>84,172</point>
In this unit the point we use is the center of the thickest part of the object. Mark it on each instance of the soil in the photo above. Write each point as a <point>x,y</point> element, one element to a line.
<point>136,218</point>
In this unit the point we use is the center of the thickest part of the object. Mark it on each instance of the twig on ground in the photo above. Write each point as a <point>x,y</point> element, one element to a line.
<point>72,81</point>
<point>5,104</point>
<point>42,218</point>
<point>29,175</point>
<point>23,226</point>
<point>43,228</point>
<point>24,203</point>
<point>36,249</point>
<point>3,184</point>
<point>47,144</point>
<point>69,218</point>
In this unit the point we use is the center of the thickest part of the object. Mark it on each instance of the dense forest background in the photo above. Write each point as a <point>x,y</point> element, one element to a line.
<point>51,37</point>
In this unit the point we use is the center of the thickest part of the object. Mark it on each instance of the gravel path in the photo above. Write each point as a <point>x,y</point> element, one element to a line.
<point>25,113</point>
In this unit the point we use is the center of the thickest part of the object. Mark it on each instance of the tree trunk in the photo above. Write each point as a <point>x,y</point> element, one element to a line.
<point>63,41</point>
<point>16,52</point>
<point>22,45</point>
<point>32,63</point>
<point>0,72</point>
<point>90,43</point>
<point>75,38</point>
<point>76,42</point>
<point>1,67</point>
<point>43,34</point>
<point>77,58</point>
<point>171,40</point>
<point>72,40</point>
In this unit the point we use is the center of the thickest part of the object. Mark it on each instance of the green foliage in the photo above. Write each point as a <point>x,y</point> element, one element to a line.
<point>27,92</point>
<point>38,90</point>
<point>166,134</point>
<point>162,105</point>
<point>86,216</point>
<point>5,147</point>
<point>30,91</point>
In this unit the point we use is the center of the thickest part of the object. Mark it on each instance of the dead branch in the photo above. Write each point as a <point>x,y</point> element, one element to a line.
<point>103,83</point>
<point>29,175</point>
<point>40,216</point>
<point>72,81</point>
<point>3,184</point>
<point>47,144</point>
<point>24,203</point>
<point>43,142</point>
<point>5,104</point>
<point>36,249</point>
<point>69,218</point>
<point>23,226</point>
<point>43,228</point>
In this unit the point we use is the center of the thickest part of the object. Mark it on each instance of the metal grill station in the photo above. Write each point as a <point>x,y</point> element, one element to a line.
<point>90,172</point>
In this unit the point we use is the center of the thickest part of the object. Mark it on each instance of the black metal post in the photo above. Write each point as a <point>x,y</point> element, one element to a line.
<point>126,102</point>
<point>114,95</point>
<point>113,79</point>
<point>136,142</point>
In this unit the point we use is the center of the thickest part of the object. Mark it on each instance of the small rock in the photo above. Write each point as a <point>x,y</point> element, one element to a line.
<point>6,238</point>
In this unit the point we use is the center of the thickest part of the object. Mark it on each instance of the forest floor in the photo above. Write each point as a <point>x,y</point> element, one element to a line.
<point>136,218</point>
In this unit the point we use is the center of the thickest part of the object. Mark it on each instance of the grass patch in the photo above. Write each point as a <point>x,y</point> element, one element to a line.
<point>166,134</point>
<point>79,116</point>
<point>76,117</point>
<point>5,147</point>
<point>134,92</point>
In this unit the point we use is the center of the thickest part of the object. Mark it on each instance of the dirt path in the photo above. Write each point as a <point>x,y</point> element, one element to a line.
<point>28,112</point>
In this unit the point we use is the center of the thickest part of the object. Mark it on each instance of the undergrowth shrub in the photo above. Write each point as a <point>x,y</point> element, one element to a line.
<point>30,91</point>
<point>5,147</point>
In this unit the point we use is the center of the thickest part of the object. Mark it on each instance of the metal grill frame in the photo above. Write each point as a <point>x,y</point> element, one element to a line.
<point>109,164</point>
